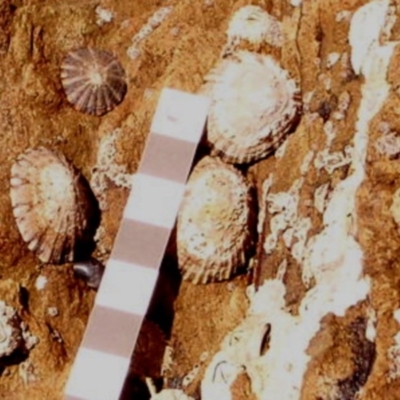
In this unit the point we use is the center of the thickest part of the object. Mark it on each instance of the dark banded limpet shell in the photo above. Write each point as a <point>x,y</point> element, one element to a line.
<point>94,80</point>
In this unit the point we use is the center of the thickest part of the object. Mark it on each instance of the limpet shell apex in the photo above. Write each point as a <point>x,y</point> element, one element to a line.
<point>254,104</point>
<point>216,223</point>
<point>94,80</point>
<point>53,206</point>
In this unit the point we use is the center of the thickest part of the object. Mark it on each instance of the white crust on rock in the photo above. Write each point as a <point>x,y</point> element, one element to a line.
<point>366,27</point>
<point>216,224</point>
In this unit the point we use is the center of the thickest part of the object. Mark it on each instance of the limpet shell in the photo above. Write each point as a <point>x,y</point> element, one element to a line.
<point>254,104</point>
<point>53,206</point>
<point>94,80</point>
<point>253,24</point>
<point>216,223</point>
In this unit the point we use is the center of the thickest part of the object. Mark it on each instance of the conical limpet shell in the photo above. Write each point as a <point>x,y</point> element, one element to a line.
<point>52,205</point>
<point>94,80</point>
<point>216,223</point>
<point>254,104</point>
<point>253,24</point>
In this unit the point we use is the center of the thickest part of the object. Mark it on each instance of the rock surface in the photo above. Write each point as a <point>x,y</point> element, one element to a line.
<point>327,266</point>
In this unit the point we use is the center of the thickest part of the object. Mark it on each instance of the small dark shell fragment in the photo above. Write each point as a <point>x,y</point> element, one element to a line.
<point>216,223</point>
<point>90,271</point>
<point>54,208</point>
<point>94,80</point>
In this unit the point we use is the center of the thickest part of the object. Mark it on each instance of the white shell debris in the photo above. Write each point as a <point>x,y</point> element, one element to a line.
<point>52,311</point>
<point>343,15</point>
<point>165,394</point>
<point>103,16</point>
<point>393,353</point>
<point>152,23</point>
<point>10,330</point>
<point>147,29</point>
<point>343,105</point>
<point>52,205</point>
<point>216,225</point>
<point>388,144</point>
<point>372,321</point>
<point>26,371</point>
<point>321,196</point>
<point>29,339</point>
<point>285,220</point>
<point>14,333</point>
<point>41,282</point>
<point>331,161</point>
<point>254,104</point>
<point>332,59</point>
<point>189,378</point>
<point>106,169</point>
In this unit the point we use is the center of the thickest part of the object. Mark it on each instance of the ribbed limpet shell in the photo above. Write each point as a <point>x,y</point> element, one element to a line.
<point>94,80</point>
<point>253,24</point>
<point>254,104</point>
<point>53,206</point>
<point>216,223</point>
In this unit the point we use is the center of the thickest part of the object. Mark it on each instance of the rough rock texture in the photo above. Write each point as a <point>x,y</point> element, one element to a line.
<point>327,267</point>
